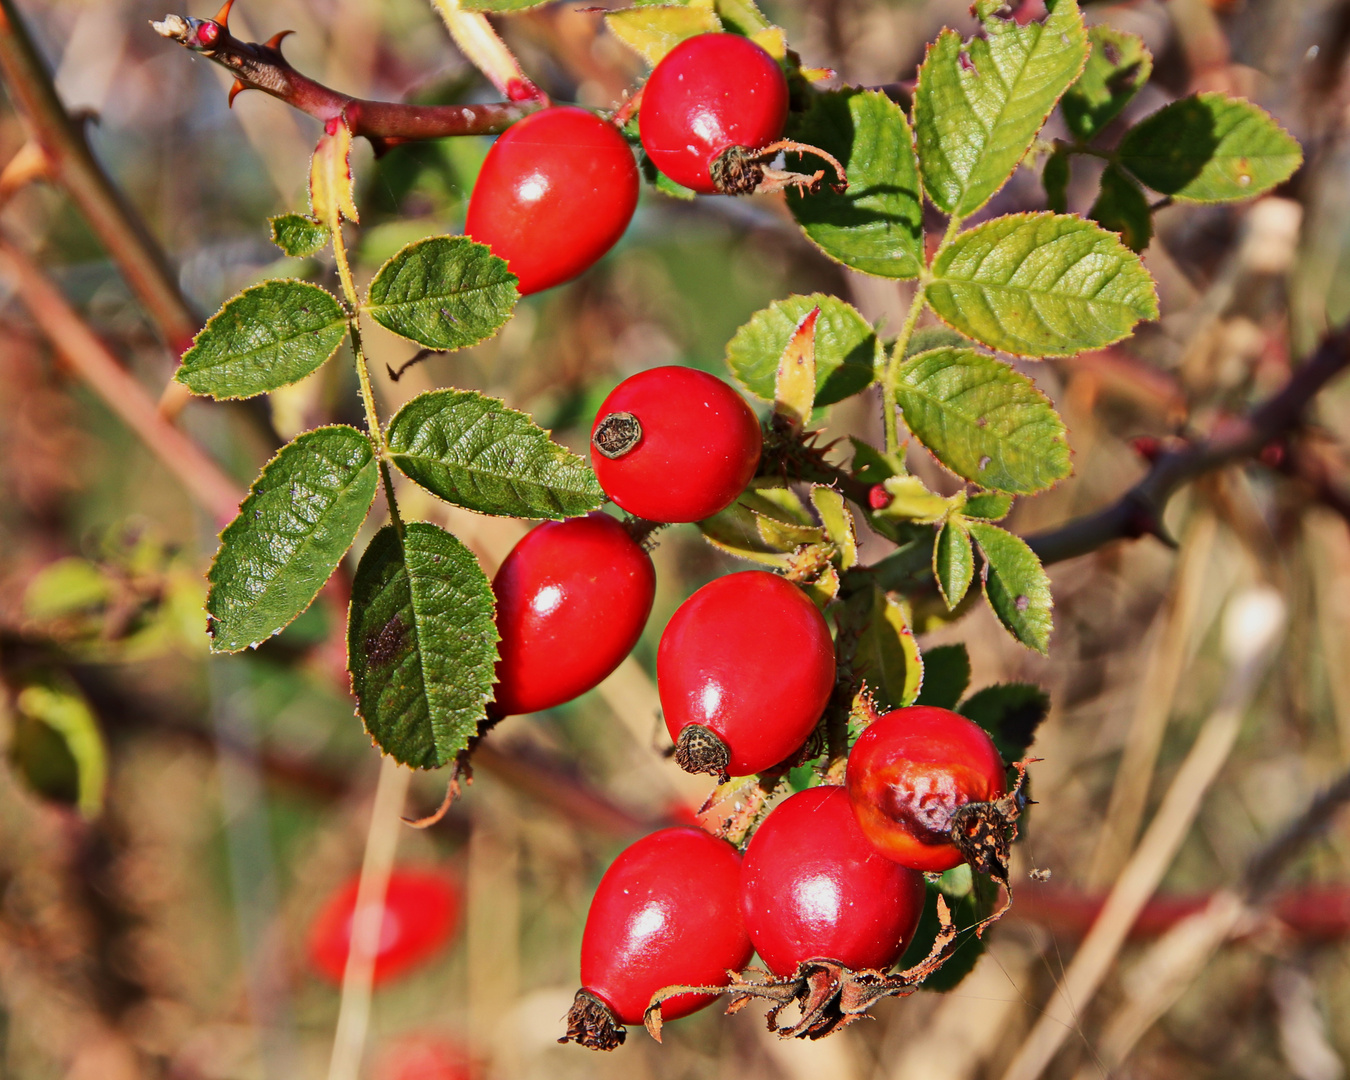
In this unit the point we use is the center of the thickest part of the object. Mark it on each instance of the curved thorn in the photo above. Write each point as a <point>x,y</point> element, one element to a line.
<point>274,42</point>
<point>237,89</point>
<point>223,15</point>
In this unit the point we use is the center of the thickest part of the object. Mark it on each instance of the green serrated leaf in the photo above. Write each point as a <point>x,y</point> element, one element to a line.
<point>983,420</point>
<point>870,465</point>
<point>794,388</point>
<point>1011,713</point>
<point>1055,180</point>
<point>1210,148</point>
<point>298,235</point>
<point>953,560</point>
<point>780,536</point>
<point>446,292</point>
<point>1041,285</point>
<point>299,519</point>
<point>653,30</point>
<point>946,674</point>
<point>743,17</point>
<point>471,450</point>
<point>838,521</point>
<point>421,644</point>
<point>926,338</point>
<point>979,104</point>
<point>886,658</point>
<point>1122,208</point>
<point>58,746</point>
<point>735,530</point>
<point>1117,69</point>
<point>268,336</point>
<point>1015,585</point>
<point>876,226</point>
<point>912,501</point>
<point>987,506</point>
<point>767,495</point>
<point>846,347</point>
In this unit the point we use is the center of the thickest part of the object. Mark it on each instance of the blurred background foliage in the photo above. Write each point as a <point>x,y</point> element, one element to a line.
<point>169,826</point>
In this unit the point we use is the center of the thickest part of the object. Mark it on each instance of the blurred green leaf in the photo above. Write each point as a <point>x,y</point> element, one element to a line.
<point>846,347</point>
<point>1122,208</point>
<point>298,235</point>
<point>268,336</point>
<point>471,450</point>
<point>65,587</point>
<point>1055,180</point>
<point>876,226</point>
<point>983,420</point>
<point>1041,285</point>
<point>1210,148</point>
<point>58,745</point>
<point>421,644</point>
<point>299,519</point>
<point>1011,713</point>
<point>1015,585</point>
<point>979,104</point>
<point>446,292</point>
<point>1117,69</point>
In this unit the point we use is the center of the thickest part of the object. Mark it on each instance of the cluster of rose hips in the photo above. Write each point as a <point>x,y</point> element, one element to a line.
<point>746,666</point>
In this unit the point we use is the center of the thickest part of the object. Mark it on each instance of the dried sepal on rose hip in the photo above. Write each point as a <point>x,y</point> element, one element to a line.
<point>712,117</point>
<point>674,444</point>
<point>812,887</point>
<point>572,599</point>
<point>744,669</point>
<point>930,792</point>
<point>555,193</point>
<point>666,912</point>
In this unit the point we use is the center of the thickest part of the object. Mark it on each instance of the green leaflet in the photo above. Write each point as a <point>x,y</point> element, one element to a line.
<point>846,347</point>
<point>742,17</point>
<point>983,420</point>
<point>1210,148</point>
<point>1011,713</point>
<point>653,31</point>
<point>421,644</point>
<point>987,505</point>
<point>299,519</point>
<point>979,104</point>
<point>953,560</point>
<point>876,226</point>
<point>886,657</point>
<point>1122,207</point>
<point>1015,585</point>
<point>471,450</point>
<point>946,674</point>
<point>1117,69</point>
<point>1041,285</point>
<point>268,336</point>
<point>446,292</point>
<point>298,235</point>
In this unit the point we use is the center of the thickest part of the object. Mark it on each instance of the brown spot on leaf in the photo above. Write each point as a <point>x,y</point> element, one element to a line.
<point>384,645</point>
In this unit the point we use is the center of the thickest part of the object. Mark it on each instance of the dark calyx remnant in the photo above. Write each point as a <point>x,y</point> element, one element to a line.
<point>591,1024</point>
<point>701,750</point>
<point>617,434</point>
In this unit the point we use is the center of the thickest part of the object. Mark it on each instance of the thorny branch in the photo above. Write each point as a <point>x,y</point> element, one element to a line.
<point>262,67</point>
<point>1140,510</point>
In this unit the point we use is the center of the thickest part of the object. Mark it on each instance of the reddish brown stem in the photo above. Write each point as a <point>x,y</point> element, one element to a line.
<point>262,67</point>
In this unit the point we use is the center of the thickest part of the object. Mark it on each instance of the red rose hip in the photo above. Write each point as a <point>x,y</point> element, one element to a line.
<point>421,915</point>
<point>555,193</point>
<point>707,95</point>
<point>674,444</point>
<point>744,669</point>
<point>813,887</point>
<point>911,772</point>
<point>667,912</point>
<point>572,599</point>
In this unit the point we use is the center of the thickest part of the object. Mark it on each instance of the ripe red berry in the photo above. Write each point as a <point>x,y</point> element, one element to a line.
<point>708,94</point>
<point>667,912</point>
<point>813,887</point>
<point>555,193</point>
<point>421,915</point>
<point>744,670</point>
<point>910,773</point>
<point>572,599</point>
<point>675,444</point>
